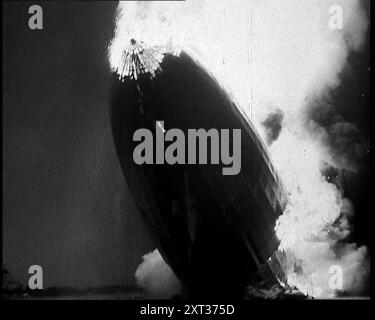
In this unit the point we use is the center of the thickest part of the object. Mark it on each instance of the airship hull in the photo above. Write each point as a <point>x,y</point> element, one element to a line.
<point>214,230</point>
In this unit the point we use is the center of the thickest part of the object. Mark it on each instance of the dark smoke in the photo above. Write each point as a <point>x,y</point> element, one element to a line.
<point>346,143</point>
<point>273,125</point>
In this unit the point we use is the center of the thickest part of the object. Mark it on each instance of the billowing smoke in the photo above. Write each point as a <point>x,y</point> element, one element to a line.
<point>346,144</point>
<point>156,277</point>
<point>282,61</point>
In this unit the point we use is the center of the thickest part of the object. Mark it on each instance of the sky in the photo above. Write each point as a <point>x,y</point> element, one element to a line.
<point>66,205</point>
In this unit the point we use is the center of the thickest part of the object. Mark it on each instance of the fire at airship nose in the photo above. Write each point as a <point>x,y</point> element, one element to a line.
<point>216,231</point>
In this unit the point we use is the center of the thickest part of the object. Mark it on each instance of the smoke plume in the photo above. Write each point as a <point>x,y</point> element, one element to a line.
<point>156,277</point>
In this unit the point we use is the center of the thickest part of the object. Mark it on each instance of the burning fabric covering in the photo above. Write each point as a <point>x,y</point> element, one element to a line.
<point>280,60</point>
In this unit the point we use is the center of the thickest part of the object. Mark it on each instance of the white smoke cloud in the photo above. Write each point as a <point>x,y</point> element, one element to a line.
<point>275,56</point>
<point>156,277</point>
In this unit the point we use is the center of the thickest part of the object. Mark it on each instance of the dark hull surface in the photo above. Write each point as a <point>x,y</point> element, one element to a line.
<point>214,230</point>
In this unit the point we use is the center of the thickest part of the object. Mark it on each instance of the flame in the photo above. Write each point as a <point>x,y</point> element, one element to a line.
<point>137,60</point>
<point>272,55</point>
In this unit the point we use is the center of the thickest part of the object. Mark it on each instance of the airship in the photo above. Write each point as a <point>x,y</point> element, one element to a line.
<point>217,232</point>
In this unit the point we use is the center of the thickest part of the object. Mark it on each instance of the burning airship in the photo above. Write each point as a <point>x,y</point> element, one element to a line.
<point>216,231</point>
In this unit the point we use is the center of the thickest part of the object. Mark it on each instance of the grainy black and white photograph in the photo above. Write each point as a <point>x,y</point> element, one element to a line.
<point>192,150</point>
